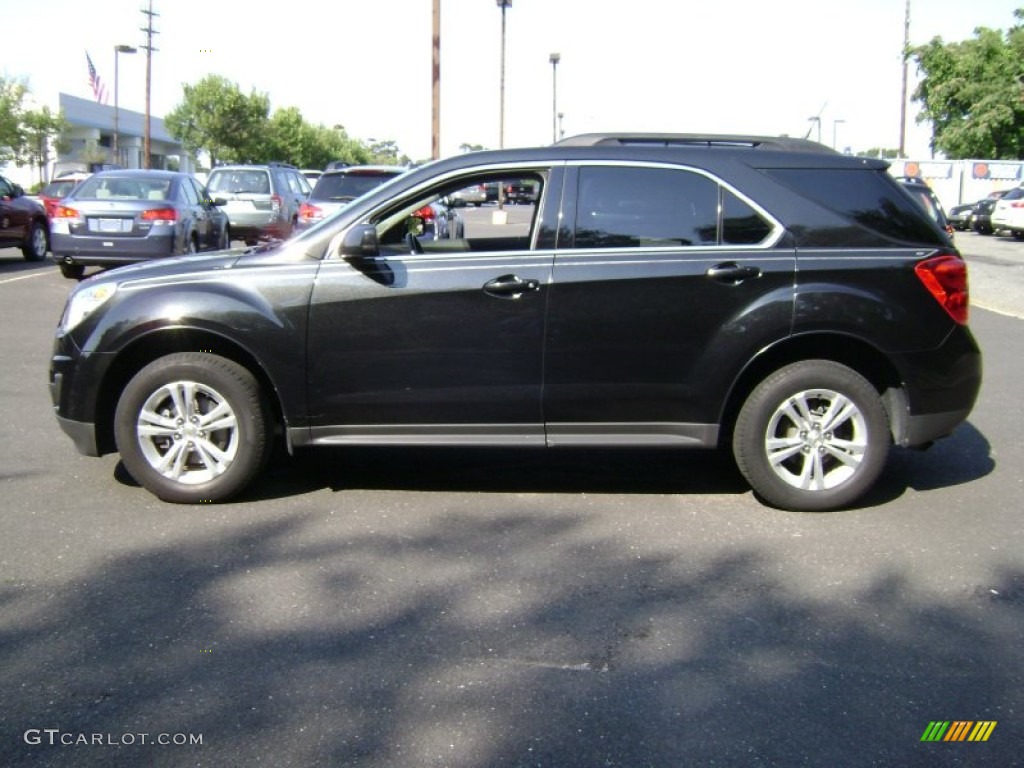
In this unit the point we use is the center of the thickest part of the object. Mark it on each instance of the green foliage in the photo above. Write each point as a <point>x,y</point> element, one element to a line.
<point>39,127</point>
<point>972,92</point>
<point>217,118</point>
<point>12,109</point>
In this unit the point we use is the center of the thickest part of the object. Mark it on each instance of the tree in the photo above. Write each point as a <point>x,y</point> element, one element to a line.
<point>12,110</point>
<point>39,128</point>
<point>972,92</point>
<point>217,118</point>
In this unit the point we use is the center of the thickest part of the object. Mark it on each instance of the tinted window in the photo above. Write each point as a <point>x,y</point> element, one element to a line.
<point>872,199</point>
<point>741,224</point>
<point>348,186</point>
<point>645,207</point>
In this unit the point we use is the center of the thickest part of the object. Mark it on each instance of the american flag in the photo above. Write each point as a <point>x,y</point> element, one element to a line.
<point>99,91</point>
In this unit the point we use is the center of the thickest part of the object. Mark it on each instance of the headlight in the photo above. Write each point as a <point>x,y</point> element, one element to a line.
<point>84,301</point>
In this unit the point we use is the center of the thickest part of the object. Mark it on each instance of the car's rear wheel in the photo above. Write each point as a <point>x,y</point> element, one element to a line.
<point>37,244</point>
<point>813,436</point>
<point>224,242</point>
<point>193,427</point>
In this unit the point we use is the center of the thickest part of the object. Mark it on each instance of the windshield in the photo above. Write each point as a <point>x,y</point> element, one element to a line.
<point>249,182</point>
<point>123,188</point>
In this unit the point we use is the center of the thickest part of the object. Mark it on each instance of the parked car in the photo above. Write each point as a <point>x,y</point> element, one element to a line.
<point>960,216</point>
<point>262,200</point>
<point>475,195</point>
<point>337,188</point>
<point>1008,213</point>
<point>924,196</point>
<point>311,175</point>
<point>23,222</point>
<point>981,216</point>
<point>58,189</point>
<point>122,217</point>
<point>765,295</point>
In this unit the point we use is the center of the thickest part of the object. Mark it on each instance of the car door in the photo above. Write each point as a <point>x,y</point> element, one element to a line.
<point>656,299</point>
<point>12,219</point>
<point>442,345</point>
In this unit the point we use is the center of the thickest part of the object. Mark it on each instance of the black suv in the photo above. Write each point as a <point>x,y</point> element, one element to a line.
<point>767,295</point>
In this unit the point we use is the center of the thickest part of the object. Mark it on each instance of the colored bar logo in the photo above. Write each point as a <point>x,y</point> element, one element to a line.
<point>958,730</point>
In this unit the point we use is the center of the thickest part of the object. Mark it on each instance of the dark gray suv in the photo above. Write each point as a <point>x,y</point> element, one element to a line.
<point>765,296</point>
<point>262,201</point>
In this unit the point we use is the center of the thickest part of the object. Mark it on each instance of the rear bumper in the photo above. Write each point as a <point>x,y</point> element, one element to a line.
<point>88,250</point>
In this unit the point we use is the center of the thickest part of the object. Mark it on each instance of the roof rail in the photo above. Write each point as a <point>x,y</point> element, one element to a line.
<point>693,140</point>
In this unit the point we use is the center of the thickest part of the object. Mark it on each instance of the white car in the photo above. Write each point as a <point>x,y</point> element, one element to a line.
<point>1009,213</point>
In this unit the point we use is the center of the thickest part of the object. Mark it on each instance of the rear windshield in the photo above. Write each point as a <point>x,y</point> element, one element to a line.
<point>348,186</point>
<point>872,199</point>
<point>253,182</point>
<point>58,188</point>
<point>118,188</point>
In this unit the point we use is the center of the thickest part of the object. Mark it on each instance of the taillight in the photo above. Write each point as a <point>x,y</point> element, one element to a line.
<point>945,277</point>
<point>426,213</point>
<point>160,215</point>
<point>63,212</point>
<point>308,213</point>
<point>276,203</point>
<point>1017,204</point>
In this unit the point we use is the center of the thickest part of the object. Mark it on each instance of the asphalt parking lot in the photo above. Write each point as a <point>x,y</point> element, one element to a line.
<point>509,608</point>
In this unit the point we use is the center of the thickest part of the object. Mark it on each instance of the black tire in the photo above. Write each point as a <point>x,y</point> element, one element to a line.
<point>795,461</point>
<point>37,244</point>
<point>173,453</point>
<point>224,242</point>
<point>71,271</point>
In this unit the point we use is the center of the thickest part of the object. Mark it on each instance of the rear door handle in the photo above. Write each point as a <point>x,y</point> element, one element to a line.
<point>732,273</point>
<point>510,286</point>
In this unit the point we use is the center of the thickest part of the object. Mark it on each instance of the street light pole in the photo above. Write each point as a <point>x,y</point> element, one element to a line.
<point>554,58</point>
<point>835,123</point>
<point>503,4</point>
<point>118,50</point>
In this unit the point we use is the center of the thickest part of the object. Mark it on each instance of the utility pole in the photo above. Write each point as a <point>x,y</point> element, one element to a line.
<point>435,122</point>
<point>903,100</point>
<point>148,48</point>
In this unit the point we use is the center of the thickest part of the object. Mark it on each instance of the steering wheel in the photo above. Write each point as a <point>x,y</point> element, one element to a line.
<point>413,243</point>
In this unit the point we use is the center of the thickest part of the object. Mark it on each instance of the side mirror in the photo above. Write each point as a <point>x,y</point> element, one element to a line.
<point>360,242</point>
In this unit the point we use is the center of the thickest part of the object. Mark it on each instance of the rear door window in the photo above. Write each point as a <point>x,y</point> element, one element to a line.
<point>642,207</point>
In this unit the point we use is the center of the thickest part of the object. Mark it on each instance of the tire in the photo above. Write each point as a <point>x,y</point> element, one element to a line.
<point>71,271</point>
<point>224,242</point>
<point>794,454</point>
<point>37,244</point>
<point>162,428</point>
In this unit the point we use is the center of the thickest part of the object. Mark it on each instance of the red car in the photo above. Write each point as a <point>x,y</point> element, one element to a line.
<point>58,189</point>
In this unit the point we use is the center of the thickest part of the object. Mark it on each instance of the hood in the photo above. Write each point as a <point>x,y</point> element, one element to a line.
<point>172,266</point>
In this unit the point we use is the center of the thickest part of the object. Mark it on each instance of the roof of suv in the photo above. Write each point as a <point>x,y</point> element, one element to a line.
<point>693,140</point>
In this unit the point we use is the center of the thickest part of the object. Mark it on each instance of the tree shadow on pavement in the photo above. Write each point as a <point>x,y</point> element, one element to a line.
<point>506,638</point>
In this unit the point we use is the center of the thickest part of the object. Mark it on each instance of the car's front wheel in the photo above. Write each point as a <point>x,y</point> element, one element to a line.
<point>37,244</point>
<point>193,427</point>
<point>813,436</point>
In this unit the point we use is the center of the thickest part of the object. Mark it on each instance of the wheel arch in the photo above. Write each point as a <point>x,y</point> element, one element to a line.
<point>157,344</point>
<point>857,354</point>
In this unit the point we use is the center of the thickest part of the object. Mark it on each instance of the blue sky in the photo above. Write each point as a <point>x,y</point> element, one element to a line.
<point>732,66</point>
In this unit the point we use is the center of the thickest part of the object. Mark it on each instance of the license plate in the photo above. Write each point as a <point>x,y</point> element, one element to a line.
<point>111,225</point>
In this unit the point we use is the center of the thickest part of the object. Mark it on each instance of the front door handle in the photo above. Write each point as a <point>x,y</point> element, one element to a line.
<point>510,286</point>
<point>732,273</point>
